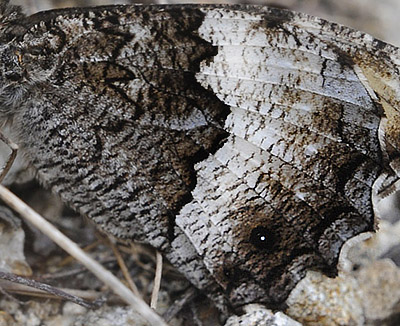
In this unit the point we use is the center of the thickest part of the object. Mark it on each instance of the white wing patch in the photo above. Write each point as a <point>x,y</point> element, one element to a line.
<point>287,101</point>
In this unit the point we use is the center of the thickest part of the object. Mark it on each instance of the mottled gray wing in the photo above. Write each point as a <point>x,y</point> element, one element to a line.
<point>254,131</point>
<point>294,179</point>
<point>106,106</point>
<point>116,119</point>
<point>112,117</point>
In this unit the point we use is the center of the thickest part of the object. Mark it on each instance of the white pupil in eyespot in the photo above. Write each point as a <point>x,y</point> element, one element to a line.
<point>263,238</point>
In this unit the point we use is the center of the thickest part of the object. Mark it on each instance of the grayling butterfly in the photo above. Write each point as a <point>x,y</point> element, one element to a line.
<point>241,141</point>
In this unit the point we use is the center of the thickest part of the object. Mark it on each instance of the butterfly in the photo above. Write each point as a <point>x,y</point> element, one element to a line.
<point>245,143</point>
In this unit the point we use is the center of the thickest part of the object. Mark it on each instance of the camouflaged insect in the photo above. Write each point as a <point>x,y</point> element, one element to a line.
<point>243,142</point>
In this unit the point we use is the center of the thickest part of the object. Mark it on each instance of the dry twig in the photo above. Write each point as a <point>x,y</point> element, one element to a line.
<point>73,249</point>
<point>15,288</point>
<point>47,288</point>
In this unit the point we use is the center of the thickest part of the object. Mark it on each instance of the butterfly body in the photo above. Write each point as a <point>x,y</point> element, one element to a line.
<point>243,142</point>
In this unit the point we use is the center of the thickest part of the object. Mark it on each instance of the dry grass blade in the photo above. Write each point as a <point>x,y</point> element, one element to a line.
<point>157,281</point>
<point>124,269</point>
<point>68,260</point>
<point>11,158</point>
<point>73,249</point>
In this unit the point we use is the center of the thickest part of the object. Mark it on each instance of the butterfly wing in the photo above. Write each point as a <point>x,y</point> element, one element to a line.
<point>113,119</point>
<point>241,141</point>
<point>293,181</point>
<point>116,109</point>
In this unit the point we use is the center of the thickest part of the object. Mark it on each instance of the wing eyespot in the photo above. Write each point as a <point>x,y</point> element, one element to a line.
<point>263,238</point>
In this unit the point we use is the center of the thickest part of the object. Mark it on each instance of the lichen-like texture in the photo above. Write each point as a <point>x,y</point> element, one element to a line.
<point>241,141</point>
